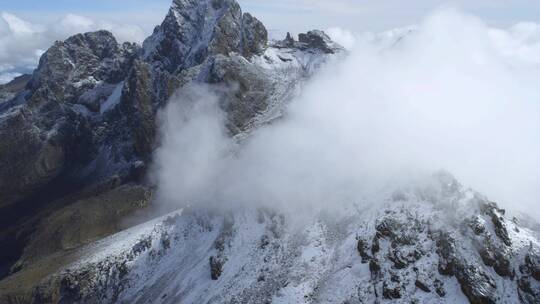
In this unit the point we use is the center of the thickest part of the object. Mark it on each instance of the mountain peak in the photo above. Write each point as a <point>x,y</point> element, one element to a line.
<point>193,30</point>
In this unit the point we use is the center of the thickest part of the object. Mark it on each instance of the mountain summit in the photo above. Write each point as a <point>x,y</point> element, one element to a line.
<point>193,30</point>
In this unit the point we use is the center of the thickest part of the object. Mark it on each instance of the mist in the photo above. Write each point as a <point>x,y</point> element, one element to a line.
<point>450,93</point>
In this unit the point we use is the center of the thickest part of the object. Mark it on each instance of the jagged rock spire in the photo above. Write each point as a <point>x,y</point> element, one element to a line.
<point>194,29</point>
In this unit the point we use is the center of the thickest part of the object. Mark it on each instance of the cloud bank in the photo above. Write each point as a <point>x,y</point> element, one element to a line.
<point>451,94</point>
<point>22,43</point>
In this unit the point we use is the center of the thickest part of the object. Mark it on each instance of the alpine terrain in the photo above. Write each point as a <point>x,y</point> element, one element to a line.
<point>78,220</point>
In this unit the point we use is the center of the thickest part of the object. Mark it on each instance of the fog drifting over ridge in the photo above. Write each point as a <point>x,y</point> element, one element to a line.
<point>453,94</point>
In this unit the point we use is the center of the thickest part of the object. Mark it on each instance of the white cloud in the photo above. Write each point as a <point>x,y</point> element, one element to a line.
<point>343,37</point>
<point>379,15</point>
<point>450,95</point>
<point>16,25</point>
<point>521,42</point>
<point>23,42</point>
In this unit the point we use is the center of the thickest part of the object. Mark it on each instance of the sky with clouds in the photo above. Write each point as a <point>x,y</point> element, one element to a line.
<point>294,15</point>
<point>28,27</point>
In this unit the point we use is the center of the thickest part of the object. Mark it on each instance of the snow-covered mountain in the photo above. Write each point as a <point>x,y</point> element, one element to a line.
<point>435,243</point>
<point>76,143</point>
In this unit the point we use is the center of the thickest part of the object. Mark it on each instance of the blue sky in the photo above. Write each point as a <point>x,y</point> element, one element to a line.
<point>80,5</point>
<point>294,15</point>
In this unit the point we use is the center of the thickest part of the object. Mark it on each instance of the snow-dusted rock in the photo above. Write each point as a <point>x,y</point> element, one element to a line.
<point>415,247</point>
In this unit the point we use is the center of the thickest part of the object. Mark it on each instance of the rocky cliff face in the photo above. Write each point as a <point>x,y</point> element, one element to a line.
<point>88,112</point>
<point>76,140</point>
<point>85,122</point>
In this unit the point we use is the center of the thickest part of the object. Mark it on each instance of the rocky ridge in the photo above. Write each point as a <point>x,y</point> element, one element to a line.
<point>85,123</point>
<point>88,112</point>
<point>433,243</point>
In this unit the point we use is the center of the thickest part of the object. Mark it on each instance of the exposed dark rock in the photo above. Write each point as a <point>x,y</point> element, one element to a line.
<point>388,227</point>
<point>527,293</point>
<point>403,256</point>
<point>216,268</point>
<point>362,248</point>
<point>400,233</point>
<point>47,136</point>
<point>254,36</point>
<point>317,40</point>
<point>477,226</point>
<point>477,285</point>
<point>391,290</point>
<point>532,261</point>
<point>312,41</point>
<point>194,30</point>
<point>70,291</point>
<point>375,245</point>
<point>422,286</point>
<point>265,241</point>
<point>446,249</point>
<point>498,221</point>
<point>78,64</point>
<point>27,160</point>
<point>497,257</point>
<point>439,287</point>
<point>289,40</point>
<point>141,246</point>
<point>374,267</point>
<point>137,104</point>
<point>249,88</point>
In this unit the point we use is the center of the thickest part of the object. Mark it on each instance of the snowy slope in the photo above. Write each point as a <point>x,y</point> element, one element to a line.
<point>259,255</point>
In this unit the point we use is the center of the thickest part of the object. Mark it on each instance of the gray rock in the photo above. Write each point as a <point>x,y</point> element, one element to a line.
<point>527,292</point>
<point>532,261</point>
<point>194,30</point>
<point>498,221</point>
<point>422,286</point>
<point>78,64</point>
<point>476,284</point>
<point>254,36</point>
<point>49,126</point>
<point>497,256</point>
<point>318,40</point>
<point>216,268</point>
<point>391,290</point>
<point>362,247</point>
<point>249,88</point>
<point>446,249</point>
<point>312,41</point>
